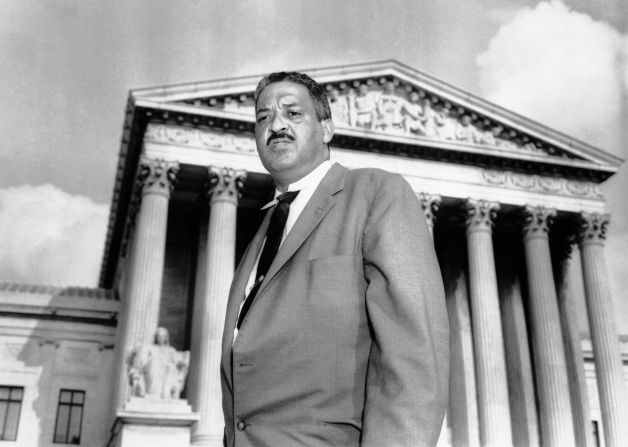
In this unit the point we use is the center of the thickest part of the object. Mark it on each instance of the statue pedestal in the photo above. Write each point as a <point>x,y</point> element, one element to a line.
<point>153,422</point>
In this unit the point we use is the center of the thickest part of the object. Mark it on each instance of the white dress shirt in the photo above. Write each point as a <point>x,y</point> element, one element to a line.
<point>306,187</point>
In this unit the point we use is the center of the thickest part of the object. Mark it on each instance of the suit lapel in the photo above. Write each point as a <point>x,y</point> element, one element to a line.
<point>248,260</point>
<point>238,289</point>
<point>318,206</point>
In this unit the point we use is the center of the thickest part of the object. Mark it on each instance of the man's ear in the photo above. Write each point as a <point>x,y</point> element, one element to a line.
<point>328,130</point>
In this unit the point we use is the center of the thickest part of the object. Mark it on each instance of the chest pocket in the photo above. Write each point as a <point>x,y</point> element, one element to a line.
<point>333,281</point>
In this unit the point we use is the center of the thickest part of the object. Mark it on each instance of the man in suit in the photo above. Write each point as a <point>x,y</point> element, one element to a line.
<point>341,337</point>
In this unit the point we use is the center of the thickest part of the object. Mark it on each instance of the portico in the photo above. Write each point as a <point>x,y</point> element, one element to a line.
<point>500,193</point>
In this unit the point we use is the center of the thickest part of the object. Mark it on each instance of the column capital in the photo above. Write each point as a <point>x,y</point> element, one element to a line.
<point>430,204</point>
<point>225,184</point>
<point>480,214</point>
<point>157,176</point>
<point>592,228</point>
<point>537,221</point>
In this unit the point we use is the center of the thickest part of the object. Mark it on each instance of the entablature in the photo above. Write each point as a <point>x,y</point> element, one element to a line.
<point>196,147</point>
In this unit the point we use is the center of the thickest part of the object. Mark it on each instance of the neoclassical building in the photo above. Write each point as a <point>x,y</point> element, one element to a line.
<point>508,201</point>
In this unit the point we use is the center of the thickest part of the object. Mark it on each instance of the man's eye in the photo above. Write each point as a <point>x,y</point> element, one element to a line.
<point>262,118</point>
<point>294,113</point>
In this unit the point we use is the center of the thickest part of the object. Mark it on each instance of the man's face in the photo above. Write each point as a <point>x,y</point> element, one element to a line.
<point>291,141</point>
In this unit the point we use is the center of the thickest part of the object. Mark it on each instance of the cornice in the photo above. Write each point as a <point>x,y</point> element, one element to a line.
<point>67,304</point>
<point>76,292</point>
<point>123,191</point>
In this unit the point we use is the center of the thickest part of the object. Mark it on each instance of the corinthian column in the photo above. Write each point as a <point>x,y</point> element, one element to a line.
<point>549,354</point>
<point>143,292</point>
<point>583,430</point>
<point>492,382</point>
<point>608,364</point>
<point>430,204</point>
<point>210,303</point>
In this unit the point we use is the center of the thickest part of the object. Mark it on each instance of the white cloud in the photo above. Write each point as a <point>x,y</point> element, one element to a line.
<point>559,67</point>
<point>50,237</point>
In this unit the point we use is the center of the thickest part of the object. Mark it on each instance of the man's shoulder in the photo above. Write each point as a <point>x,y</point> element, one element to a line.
<point>373,178</point>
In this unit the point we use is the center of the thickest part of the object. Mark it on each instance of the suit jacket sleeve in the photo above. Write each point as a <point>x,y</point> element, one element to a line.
<point>408,367</point>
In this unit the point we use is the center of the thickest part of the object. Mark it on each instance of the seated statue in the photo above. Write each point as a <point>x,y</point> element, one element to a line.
<point>158,370</point>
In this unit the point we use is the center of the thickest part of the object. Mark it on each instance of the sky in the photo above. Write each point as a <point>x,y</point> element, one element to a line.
<point>66,67</point>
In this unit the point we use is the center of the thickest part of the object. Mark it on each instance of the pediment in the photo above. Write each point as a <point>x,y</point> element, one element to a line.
<point>387,103</point>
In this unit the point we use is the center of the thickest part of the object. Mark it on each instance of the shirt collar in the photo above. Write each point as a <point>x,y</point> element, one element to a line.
<point>311,179</point>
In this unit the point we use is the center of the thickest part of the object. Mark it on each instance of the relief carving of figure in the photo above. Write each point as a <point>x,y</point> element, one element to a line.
<point>446,126</point>
<point>500,141</point>
<point>364,108</point>
<point>506,144</point>
<point>339,108</point>
<point>490,136</point>
<point>431,119</point>
<point>530,146</point>
<point>389,109</point>
<point>413,116</point>
<point>158,370</point>
<point>466,131</point>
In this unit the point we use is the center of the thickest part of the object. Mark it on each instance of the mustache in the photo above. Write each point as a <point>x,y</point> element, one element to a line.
<point>280,134</point>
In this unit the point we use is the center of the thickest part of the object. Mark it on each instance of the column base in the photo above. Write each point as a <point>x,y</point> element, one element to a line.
<point>152,421</point>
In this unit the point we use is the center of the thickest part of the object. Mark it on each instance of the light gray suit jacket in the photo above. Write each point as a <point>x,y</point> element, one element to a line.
<point>346,343</point>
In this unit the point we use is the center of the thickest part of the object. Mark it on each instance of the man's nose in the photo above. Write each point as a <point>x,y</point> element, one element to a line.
<point>277,123</point>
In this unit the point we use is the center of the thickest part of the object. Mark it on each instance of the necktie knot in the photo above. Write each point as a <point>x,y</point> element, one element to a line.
<point>287,197</point>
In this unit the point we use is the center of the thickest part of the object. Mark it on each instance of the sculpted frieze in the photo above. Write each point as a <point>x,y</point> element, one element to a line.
<point>555,185</point>
<point>388,106</point>
<point>535,183</point>
<point>578,188</point>
<point>160,133</point>
<point>523,180</point>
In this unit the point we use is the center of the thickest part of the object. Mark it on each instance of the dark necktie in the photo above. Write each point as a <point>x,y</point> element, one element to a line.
<point>273,240</point>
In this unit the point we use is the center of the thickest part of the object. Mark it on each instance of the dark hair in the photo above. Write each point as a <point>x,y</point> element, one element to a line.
<point>316,91</point>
